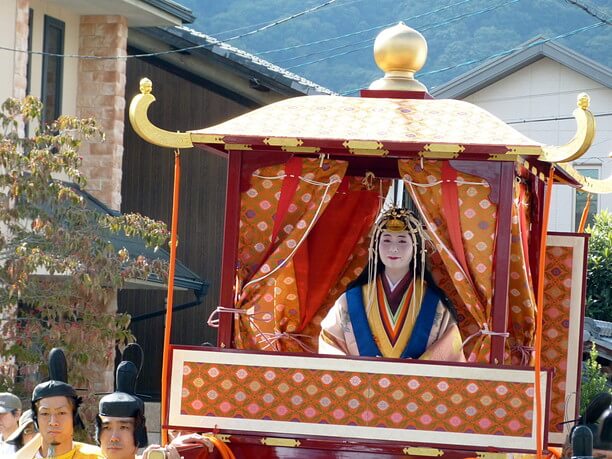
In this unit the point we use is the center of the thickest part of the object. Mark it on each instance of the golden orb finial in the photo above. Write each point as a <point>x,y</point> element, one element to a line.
<point>583,100</point>
<point>399,51</point>
<point>146,86</point>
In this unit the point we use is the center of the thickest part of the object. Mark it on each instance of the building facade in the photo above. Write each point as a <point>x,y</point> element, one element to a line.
<point>535,90</point>
<point>78,57</point>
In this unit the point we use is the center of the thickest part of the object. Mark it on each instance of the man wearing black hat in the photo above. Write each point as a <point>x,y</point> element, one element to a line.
<point>120,423</point>
<point>55,405</point>
<point>10,410</point>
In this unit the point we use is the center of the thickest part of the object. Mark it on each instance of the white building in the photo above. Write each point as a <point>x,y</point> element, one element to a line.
<point>535,90</point>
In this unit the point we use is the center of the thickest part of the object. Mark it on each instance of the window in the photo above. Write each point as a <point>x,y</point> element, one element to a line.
<point>29,67</point>
<point>581,197</point>
<point>52,68</point>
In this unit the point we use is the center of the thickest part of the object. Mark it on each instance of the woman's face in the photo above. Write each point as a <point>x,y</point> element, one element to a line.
<point>396,249</point>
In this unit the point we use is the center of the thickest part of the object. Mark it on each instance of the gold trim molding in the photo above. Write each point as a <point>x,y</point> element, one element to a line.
<point>582,140</point>
<point>589,185</point>
<point>147,130</point>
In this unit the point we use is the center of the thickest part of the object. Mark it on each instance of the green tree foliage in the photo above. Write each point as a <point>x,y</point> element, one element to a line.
<point>599,268</point>
<point>58,269</point>
<point>594,381</point>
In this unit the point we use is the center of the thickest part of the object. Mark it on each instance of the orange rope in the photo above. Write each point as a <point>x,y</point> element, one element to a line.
<point>224,450</point>
<point>540,312</point>
<point>585,214</point>
<point>170,297</point>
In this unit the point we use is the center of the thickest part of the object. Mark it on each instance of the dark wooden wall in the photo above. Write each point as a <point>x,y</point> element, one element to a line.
<point>182,103</point>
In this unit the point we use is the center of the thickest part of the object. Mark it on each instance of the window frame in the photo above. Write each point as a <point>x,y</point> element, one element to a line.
<point>594,200</point>
<point>53,23</point>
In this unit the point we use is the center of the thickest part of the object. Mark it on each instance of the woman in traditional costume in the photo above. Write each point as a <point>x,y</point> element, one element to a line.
<point>394,309</point>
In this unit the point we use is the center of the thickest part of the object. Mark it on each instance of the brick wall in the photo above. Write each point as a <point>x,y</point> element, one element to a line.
<point>101,94</point>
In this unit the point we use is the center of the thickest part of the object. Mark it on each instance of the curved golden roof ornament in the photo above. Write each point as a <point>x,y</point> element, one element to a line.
<point>589,185</point>
<point>581,141</point>
<point>399,51</point>
<point>145,129</point>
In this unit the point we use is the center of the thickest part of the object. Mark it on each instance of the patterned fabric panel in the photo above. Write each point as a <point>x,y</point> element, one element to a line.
<point>266,280</point>
<point>477,217</point>
<point>357,399</point>
<point>555,335</point>
<point>521,295</point>
<point>382,120</point>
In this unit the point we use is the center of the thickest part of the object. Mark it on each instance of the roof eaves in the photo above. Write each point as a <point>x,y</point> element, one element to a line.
<point>494,70</point>
<point>248,60</point>
<point>181,12</point>
<point>184,277</point>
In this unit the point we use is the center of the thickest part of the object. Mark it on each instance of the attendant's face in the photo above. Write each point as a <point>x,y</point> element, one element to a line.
<point>396,249</point>
<point>117,438</point>
<point>55,420</point>
<point>28,433</point>
<point>8,423</point>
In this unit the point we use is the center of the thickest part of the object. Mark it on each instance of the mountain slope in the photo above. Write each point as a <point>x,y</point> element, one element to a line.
<point>461,34</point>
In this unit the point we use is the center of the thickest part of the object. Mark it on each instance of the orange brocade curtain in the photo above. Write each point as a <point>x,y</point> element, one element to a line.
<point>303,228</point>
<point>463,264</point>
<point>464,240</point>
<point>521,294</point>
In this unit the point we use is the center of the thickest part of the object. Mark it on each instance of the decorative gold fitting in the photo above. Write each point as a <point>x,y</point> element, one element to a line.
<point>362,144</point>
<point>503,157</point>
<point>225,438</point>
<point>237,146</point>
<point>441,151</point>
<point>287,442</point>
<point>487,455</point>
<point>206,138</point>
<point>283,142</point>
<point>145,129</point>
<point>429,452</point>
<point>582,140</point>
<point>524,150</point>
<point>301,149</point>
<point>365,147</point>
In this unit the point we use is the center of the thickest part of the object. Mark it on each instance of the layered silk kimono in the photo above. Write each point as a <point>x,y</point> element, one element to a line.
<point>398,325</point>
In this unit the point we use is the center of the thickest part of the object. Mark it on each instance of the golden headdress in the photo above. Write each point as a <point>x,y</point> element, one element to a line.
<point>396,219</point>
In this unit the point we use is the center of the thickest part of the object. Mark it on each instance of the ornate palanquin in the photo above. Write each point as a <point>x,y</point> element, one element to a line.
<point>322,397</point>
<point>305,180</point>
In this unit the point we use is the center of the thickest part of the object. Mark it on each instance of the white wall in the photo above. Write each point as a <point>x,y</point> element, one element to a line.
<point>547,89</point>
<point>71,46</point>
<point>8,13</point>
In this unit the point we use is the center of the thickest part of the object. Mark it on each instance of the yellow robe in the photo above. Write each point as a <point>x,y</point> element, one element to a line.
<point>81,451</point>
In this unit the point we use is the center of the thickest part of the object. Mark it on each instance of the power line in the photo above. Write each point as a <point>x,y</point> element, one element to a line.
<point>325,40</point>
<point>499,54</point>
<point>596,14</point>
<point>433,26</point>
<point>172,51</point>
<point>558,118</point>
<point>217,34</point>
